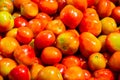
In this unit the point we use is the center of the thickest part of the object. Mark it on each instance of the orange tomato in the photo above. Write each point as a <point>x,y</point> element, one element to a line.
<point>51,55</point>
<point>74,73</point>
<point>89,44</point>
<point>24,35</point>
<point>48,6</point>
<point>58,28</point>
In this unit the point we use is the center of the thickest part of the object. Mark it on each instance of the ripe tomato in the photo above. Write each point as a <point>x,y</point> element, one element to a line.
<point>20,21</point>
<point>24,35</point>
<point>48,6</point>
<point>24,54</point>
<point>58,28</point>
<point>104,74</point>
<point>116,14</point>
<point>51,55</point>
<point>49,73</point>
<point>44,39</point>
<point>70,61</point>
<point>61,67</point>
<point>71,16</point>
<point>74,73</point>
<point>17,3</point>
<point>36,25</point>
<point>87,74</point>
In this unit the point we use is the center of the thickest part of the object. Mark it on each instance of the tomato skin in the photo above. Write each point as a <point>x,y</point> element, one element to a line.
<point>24,55</point>
<point>36,25</point>
<point>71,16</point>
<point>44,39</point>
<point>24,35</point>
<point>104,74</point>
<point>116,14</point>
<point>20,21</point>
<point>51,55</point>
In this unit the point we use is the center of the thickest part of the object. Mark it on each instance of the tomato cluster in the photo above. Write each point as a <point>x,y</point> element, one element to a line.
<point>59,40</point>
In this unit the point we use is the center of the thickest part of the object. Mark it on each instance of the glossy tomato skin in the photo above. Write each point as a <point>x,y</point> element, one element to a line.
<point>25,54</point>
<point>48,6</point>
<point>68,42</point>
<point>70,61</point>
<point>104,8</point>
<point>71,16</point>
<point>104,74</point>
<point>36,25</point>
<point>20,72</point>
<point>51,55</point>
<point>49,73</point>
<point>44,39</point>
<point>24,35</point>
<point>116,14</point>
<point>20,21</point>
<point>61,67</point>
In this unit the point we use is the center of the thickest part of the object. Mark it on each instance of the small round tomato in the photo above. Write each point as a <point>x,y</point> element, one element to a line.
<point>48,6</point>
<point>49,73</point>
<point>36,25</point>
<point>29,9</point>
<point>71,16</point>
<point>104,8</point>
<point>51,55</point>
<point>61,4</point>
<point>12,32</point>
<point>8,45</point>
<point>24,35</point>
<point>87,74</point>
<point>44,17</point>
<point>116,14</point>
<point>24,54</point>
<point>68,42</point>
<point>58,28</point>
<point>20,21</point>
<point>96,61</point>
<point>70,61</point>
<point>6,5</point>
<point>89,44</point>
<point>61,67</point>
<point>104,74</point>
<point>74,73</point>
<point>44,39</point>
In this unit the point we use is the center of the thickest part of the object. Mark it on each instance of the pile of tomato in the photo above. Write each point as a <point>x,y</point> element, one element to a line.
<point>59,40</point>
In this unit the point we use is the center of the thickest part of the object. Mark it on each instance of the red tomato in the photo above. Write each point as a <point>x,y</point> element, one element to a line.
<point>24,54</point>
<point>36,25</point>
<point>104,74</point>
<point>71,16</point>
<point>51,55</point>
<point>116,14</point>
<point>24,35</point>
<point>61,67</point>
<point>20,21</point>
<point>44,39</point>
<point>70,61</point>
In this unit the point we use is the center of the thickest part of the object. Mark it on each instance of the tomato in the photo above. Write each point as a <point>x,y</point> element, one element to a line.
<point>48,6</point>
<point>36,25</point>
<point>20,21</point>
<point>104,74</point>
<point>70,61</point>
<point>61,67</point>
<point>51,55</point>
<point>116,14</point>
<point>49,73</point>
<point>74,73</point>
<point>44,39</point>
<point>71,16</point>
<point>24,35</point>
